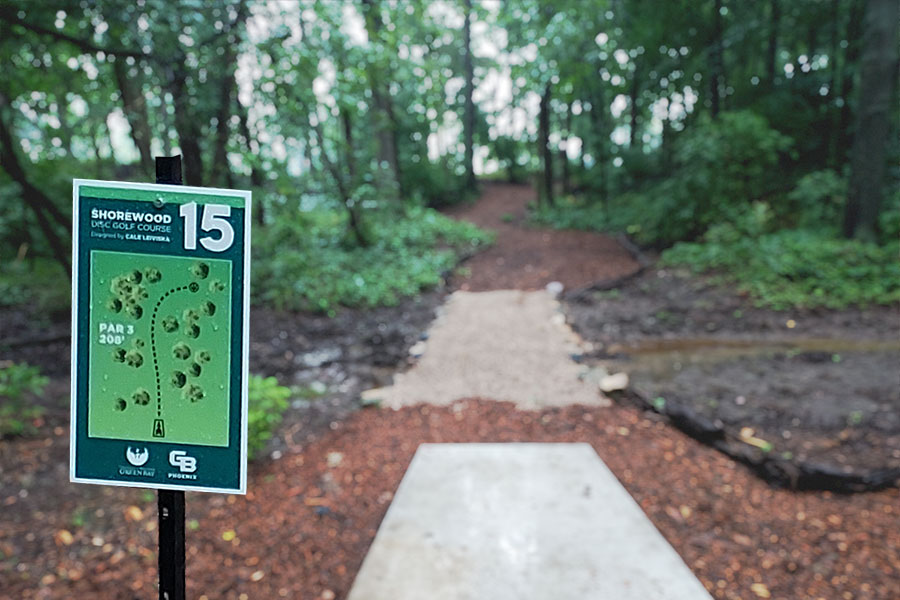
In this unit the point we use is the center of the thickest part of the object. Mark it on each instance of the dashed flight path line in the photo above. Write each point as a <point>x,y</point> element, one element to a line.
<point>192,287</point>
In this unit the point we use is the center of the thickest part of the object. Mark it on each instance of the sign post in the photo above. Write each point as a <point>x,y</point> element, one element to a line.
<point>160,315</point>
<point>170,503</point>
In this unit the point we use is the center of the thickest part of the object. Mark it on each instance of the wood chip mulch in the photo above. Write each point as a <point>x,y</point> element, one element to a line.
<point>310,516</point>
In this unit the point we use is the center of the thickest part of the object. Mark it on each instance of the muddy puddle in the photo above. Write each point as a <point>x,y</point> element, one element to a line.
<point>809,399</point>
<point>830,406</point>
<point>665,357</point>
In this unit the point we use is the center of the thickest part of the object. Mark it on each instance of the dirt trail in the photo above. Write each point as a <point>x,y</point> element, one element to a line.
<point>526,258</point>
<point>501,336</point>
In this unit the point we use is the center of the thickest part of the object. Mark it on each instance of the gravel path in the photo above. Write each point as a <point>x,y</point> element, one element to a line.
<point>504,345</point>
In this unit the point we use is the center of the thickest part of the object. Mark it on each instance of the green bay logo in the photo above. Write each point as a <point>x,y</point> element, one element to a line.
<point>138,457</point>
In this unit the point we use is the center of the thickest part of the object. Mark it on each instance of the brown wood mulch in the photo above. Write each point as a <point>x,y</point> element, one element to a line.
<point>310,515</point>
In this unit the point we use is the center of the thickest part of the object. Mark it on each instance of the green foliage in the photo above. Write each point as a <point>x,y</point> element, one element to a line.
<point>19,383</point>
<point>267,403</point>
<point>889,219</point>
<point>720,165</point>
<point>791,268</point>
<point>816,201</point>
<point>302,262</point>
<point>512,158</point>
<point>38,283</point>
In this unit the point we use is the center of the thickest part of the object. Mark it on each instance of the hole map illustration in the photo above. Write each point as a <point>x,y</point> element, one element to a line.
<point>159,348</point>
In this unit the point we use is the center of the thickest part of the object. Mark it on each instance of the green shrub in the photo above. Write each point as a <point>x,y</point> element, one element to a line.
<point>19,383</point>
<point>303,261</point>
<point>889,218</point>
<point>512,158</point>
<point>38,283</point>
<point>719,167</point>
<point>790,268</point>
<point>267,402</point>
<point>817,200</point>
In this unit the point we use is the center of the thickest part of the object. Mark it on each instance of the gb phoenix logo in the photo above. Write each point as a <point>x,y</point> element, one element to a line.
<point>180,459</point>
<point>137,456</point>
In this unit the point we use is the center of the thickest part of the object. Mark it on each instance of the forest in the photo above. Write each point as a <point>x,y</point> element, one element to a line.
<point>705,193</point>
<point>755,132</point>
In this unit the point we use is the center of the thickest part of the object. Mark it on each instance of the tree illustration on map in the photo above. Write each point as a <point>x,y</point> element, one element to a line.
<point>160,339</point>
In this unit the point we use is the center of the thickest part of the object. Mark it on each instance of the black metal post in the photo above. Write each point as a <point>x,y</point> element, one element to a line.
<point>170,503</point>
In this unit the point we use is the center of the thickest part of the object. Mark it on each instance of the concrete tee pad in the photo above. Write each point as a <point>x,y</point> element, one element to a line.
<point>518,522</point>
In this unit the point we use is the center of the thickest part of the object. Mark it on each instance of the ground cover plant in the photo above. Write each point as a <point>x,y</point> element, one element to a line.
<point>19,383</point>
<point>304,261</point>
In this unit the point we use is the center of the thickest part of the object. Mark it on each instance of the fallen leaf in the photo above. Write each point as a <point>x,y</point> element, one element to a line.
<point>760,590</point>
<point>674,513</point>
<point>229,535</point>
<point>133,513</point>
<point>63,537</point>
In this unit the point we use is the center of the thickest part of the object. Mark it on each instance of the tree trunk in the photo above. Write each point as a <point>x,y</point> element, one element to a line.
<point>220,172</point>
<point>564,154</point>
<point>601,138</point>
<point>878,70</point>
<point>39,203</point>
<point>851,57</point>
<point>635,94</point>
<point>187,127</point>
<point>772,53</point>
<point>834,84</point>
<point>220,169</point>
<point>252,148</point>
<point>544,147</point>
<point>469,119</point>
<point>135,108</point>
<point>716,67</point>
<point>384,122</point>
<point>347,124</point>
<point>354,221</point>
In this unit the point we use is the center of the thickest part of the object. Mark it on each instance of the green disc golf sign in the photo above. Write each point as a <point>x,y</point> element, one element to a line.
<point>159,347</point>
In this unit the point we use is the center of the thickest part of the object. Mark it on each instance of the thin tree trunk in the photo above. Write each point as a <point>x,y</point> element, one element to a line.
<point>544,146</point>
<point>469,119</point>
<point>384,122</point>
<point>716,67</point>
<point>39,203</point>
<point>186,125</point>
<point>834,85</point>
<point>135,108</point>
<point>252,148</point>
<point>851,56</point>
<point>877,80</point>
<point>601,136</point>
<point>772,53</point>
<point>220,169</point>
<point>634,94</point>
<point>347,124</point>
<point>354,220</point>
<point>564,154</point>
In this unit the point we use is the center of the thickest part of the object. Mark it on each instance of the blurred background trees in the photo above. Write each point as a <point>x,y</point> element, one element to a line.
<point>672,121</point>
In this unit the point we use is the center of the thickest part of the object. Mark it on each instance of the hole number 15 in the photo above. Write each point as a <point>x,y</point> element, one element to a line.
<point>215,218</point>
